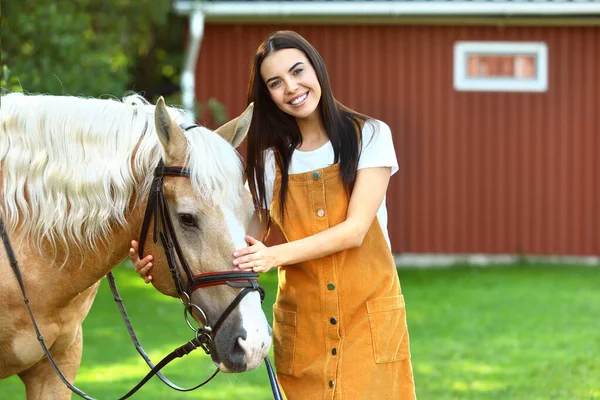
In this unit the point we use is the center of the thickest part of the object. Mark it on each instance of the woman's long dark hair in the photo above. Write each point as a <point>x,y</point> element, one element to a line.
<point>273,128</point>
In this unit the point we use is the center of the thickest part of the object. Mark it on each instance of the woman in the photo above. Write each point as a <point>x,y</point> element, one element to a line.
<point>320,172</point>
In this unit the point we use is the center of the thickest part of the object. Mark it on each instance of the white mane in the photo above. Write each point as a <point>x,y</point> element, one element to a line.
<point>69,171</point>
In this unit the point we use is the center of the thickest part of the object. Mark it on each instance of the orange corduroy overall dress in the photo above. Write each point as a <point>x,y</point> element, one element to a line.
<point>339,322</point>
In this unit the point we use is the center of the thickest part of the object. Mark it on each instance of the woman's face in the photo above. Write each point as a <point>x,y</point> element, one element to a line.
<point>292,82</point>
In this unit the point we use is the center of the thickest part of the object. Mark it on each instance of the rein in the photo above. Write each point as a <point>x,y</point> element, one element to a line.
<point>157,206</point>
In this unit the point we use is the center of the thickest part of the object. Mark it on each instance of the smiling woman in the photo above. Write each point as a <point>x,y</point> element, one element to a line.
<point>320,172</point>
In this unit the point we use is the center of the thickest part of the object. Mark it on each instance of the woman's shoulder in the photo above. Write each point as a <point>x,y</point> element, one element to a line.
<point>373,125</point>
<point>377,146</point>
<point>377,131</point>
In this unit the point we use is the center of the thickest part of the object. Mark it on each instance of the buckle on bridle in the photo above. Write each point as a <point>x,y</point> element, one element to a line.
<point>203,340</point>
<point>188,312</point>
<point>185,301</point>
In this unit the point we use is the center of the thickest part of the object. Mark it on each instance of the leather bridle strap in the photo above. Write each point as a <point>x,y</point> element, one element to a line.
<point>273,380</point>
<point>119,301</point>
<point>247,280</point>
<point>177,353</point>
<point>231,278</point>
<point>251,285</point>
<point>15,267</point>
<point>157,206</point>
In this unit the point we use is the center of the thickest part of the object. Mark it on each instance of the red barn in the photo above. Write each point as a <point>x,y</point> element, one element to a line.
<point>494,107</point>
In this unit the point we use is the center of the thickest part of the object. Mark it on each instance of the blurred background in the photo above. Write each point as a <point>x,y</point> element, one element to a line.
<point>494,108</point>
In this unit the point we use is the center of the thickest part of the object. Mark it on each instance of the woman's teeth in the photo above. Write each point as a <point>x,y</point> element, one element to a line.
<point>299,100</point>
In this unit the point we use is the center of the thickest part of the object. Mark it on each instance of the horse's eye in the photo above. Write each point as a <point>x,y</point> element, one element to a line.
<point>188,219</point>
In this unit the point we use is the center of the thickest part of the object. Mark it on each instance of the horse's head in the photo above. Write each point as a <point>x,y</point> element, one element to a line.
<point>209,213</point>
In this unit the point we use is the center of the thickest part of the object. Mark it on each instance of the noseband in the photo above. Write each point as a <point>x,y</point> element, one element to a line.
<point>157,207</point>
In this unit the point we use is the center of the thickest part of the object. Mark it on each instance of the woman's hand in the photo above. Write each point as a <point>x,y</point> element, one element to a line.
<point>257,257</point>
<point>142,266</point>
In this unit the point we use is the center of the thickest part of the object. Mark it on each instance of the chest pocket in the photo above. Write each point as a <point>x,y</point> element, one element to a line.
<point>387,319</point>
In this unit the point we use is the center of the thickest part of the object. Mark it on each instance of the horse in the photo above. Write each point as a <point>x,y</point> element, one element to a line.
<point>75,173</point>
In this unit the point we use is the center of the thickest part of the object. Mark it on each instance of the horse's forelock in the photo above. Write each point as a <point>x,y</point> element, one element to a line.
<point>215,167</point>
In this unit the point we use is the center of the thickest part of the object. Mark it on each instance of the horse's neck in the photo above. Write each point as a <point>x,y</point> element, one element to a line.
<point>80,271</point>
<point>112,251</point>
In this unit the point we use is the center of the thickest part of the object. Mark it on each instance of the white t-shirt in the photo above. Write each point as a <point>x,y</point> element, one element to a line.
<point>377,151</point>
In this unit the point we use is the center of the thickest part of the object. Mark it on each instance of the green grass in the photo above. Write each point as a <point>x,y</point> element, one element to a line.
<point>520,332</point>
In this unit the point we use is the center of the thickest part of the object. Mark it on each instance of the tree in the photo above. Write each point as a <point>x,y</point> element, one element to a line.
<point>90,47</point>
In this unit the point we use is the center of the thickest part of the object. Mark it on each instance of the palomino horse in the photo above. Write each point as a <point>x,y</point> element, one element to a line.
<point>75,176</point>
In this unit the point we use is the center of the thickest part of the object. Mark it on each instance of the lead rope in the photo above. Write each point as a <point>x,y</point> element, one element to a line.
<point>273,380</point>
<point>119,301</point>
<point>113,287</point>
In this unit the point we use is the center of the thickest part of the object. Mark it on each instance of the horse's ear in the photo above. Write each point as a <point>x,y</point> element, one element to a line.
<point>235,131</point>
<point>171,137</point>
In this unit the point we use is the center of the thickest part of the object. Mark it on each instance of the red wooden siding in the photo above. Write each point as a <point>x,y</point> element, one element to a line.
<point>481,172</point>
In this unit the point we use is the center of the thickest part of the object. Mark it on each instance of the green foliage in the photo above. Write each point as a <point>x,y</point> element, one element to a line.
<point>87,47</point>
<point>95,47</point>
<point>7,80</point>
<point>216,109</point>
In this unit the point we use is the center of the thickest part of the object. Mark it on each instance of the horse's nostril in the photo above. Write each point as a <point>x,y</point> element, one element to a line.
<point>238,355</point>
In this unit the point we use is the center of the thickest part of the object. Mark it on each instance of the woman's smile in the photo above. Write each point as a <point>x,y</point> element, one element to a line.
<point>299,100</point>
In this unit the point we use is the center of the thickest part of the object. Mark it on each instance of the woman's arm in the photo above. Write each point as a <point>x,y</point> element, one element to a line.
<point>368,193</point>
<point>258,224</point>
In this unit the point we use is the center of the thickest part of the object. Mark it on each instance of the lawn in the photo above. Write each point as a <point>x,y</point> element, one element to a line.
<point>509,332</point>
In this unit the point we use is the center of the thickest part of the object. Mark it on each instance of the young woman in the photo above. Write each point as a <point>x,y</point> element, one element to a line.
<point>320,172</point>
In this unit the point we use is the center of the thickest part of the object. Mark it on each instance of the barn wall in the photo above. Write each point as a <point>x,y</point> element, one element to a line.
<point>481,172</point>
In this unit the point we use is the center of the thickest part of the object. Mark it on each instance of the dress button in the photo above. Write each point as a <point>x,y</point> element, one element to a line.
<point>330,286</point>
<point>320,212</point>
<point>331,383</point>
<point>333,321</point>
<point>334,351</point>
<point>316,175</point>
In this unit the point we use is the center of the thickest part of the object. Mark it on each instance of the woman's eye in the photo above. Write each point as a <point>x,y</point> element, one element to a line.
<point>298,71</point>
<point>188,219</point>
<point>274,84</point>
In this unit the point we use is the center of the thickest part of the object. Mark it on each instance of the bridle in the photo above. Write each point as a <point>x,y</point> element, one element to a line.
<point>157,207</point>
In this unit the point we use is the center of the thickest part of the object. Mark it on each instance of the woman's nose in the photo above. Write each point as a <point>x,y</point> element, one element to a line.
<point>291,86</point>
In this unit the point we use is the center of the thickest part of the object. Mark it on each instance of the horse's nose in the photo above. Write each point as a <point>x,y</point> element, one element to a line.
<point>237,352</point>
